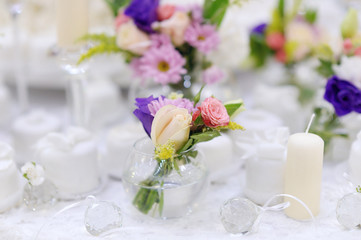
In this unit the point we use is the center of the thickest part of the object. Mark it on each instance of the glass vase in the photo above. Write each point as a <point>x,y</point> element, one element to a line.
<point>161,188</point>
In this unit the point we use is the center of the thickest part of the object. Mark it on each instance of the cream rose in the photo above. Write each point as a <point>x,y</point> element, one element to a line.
<point>304,35</point>
<point>174,27</point>
<point>129,37</point>
<point>171,123</point>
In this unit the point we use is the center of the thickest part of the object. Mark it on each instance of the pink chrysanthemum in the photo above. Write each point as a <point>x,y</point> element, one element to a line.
<point>155,105</point>
<point>202,37</point>
<point>163,64</point>
<point>212,75</point>
<point>159,40</point>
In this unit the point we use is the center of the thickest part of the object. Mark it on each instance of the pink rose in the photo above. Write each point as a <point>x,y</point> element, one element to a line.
<point>212,75</point>
<point>165,12</point>
<point>213,112</point>
<point>275,40</point>
<point>281,56</point>
<point>358,51</point>
<point>347,45</point>
<point>120,20</point>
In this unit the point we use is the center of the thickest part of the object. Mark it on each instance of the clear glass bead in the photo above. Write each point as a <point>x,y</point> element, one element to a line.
<point>348,211</point>
<point>40,197</point>
<point>101,217</point>
<point>238,215</point>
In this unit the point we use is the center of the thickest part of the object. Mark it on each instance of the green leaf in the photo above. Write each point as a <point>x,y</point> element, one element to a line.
<point>259,50</point>
<point>205,136</point>
<point>324,52</point>
<point>358,189</point>
<point>115,5</point>
<point>214,11</point>
<point>186,146</point>
<point>197,97</point>
<point>325,68</point>
<point>311,16</point>
<point>198,121</point>
<point>233,108</point>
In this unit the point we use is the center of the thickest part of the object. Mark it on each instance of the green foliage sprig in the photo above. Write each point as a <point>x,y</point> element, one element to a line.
<point>103,44</point>
<point>115,5</point>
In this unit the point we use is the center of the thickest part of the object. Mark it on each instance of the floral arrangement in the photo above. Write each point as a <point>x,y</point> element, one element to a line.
<point>175,125</point>
<point>343,86</point>
<point>166,43</point>
<point>288,38</point>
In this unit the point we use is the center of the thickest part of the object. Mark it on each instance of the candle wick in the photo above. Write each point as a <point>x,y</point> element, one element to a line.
<point>310,122</point>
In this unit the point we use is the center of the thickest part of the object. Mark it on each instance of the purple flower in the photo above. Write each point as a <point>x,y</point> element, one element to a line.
<point>343,95</point>
<point>159,40</point>
<point>212,75</point>
<point>144,13</point>
<point>155,105</point>
<point>143,113</point>
<point>203,37</point>
<point>163,64</point>
<point>259,29</point>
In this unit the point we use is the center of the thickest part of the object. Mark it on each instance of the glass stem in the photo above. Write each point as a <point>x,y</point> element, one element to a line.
<point>20,81</point>
<point>77,100</point>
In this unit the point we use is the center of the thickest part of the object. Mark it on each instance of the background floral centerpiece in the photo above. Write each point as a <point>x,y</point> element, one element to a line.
<point>175,126</point>
<point>165,43</point>
<point>343,87</point>
<point>289,38</point>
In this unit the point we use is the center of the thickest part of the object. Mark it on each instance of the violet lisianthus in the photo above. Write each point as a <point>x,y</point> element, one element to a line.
<point>164,64</point>
<point>343,95</point>
<point>143,13</point>
<point>259,29</point>
<point>155,105</point>
<point>143,113</point>
<point>203,37</point>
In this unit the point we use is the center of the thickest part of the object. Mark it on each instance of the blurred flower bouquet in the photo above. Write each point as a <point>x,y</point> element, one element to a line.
<point>289,38</point>
<point>166,43</point>
<point>343,87</point>
<point>175,125</point>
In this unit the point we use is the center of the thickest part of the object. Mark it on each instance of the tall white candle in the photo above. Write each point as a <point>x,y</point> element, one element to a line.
<point>71,21</point>
<point>303,174</point>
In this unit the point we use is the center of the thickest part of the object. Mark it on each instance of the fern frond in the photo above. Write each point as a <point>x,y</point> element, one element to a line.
<point>98,38</point>
<point>104,45</point>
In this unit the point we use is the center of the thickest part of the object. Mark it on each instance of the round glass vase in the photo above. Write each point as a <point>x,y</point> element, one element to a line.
<point>164,188</point>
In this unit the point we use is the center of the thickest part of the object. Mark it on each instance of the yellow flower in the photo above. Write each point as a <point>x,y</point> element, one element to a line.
<point>175,95</point>
<point>165,151</point>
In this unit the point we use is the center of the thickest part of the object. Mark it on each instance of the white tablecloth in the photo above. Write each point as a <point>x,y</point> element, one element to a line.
<point>204,223</point>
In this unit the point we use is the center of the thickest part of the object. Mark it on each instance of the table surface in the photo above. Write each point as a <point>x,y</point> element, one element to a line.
<point>203,223</point>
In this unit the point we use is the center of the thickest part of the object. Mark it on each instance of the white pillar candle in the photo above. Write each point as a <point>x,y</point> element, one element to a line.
<point>71,21</point>
<point>303,174</point>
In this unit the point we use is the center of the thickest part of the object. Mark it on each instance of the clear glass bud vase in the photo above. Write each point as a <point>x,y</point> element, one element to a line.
<point>164,188</point>
<point>76,86</point>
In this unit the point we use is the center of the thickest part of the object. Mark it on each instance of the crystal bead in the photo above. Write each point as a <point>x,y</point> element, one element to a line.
<point>348,211</point>
<point>238,215</point>
<point>101,217</point>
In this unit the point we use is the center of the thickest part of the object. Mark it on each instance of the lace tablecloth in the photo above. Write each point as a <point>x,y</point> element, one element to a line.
<point>204,223</point>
